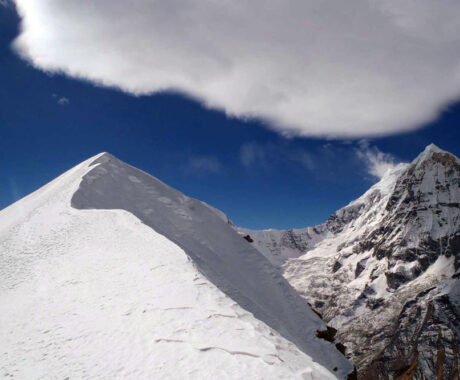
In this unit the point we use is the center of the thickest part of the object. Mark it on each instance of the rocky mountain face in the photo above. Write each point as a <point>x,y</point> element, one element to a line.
<point>384,271</point>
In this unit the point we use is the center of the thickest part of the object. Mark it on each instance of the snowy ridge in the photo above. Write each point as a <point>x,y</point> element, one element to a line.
<point>99,293</point>
<point>235,267</point>
<point>378,274</point>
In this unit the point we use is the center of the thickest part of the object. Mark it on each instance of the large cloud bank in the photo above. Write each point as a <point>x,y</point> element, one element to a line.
<point>307,67</point>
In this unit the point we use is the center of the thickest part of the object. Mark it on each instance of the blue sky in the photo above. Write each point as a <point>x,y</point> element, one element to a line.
<point>49,123</point>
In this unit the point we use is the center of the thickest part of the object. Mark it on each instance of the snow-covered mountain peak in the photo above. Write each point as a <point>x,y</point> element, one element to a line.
<point>434,154</point>
<point>378,268</point>
<point>108,272</point>
<point>426,197</point>
<point>434,149</point>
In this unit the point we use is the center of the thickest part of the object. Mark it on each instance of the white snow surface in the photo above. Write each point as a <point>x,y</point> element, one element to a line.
<point>98,294</point>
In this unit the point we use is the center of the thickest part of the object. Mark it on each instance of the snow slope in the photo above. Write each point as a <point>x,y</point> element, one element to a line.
<point>146,284</point>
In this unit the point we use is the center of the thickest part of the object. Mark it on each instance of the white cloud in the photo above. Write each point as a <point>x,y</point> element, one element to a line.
<point>63,101</point>
<point>314,68</point>
<point>209,164</point>
<point>377,162</point>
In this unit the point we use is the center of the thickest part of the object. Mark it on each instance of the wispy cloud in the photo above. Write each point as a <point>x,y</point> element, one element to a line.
<point>6,3</point>
<point>265,155</point>
<point>63,101</point>
<point>326,162</point>
<point>204,164</point>
<point>333,68</point>
<point>253,153</point>
<point>377,162</point>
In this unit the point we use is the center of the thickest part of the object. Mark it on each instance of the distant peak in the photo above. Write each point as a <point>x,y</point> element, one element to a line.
<point>428,152</point>
<point>433,153</point>
<point>433,148</point>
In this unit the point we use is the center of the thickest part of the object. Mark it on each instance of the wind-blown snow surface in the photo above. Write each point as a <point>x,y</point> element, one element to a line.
<point>99,294</point>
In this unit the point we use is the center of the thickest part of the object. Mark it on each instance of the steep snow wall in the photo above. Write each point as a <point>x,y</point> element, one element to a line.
<point>219,252</point>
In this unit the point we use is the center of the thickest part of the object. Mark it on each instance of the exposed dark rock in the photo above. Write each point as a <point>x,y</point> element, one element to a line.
<point>360,267</point>
<point>396,279</point>
<point>381,252</point>
<point>295,241</point>
<point>374,303</point>
<point>341,348</point>
<point>353,375</point>
<point>423,330</point>
<point>337,265</point>
<point>328,334</point>
<point>319,304</point>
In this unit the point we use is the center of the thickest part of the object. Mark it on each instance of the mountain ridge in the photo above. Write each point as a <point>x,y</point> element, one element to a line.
<point>94,275</point>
